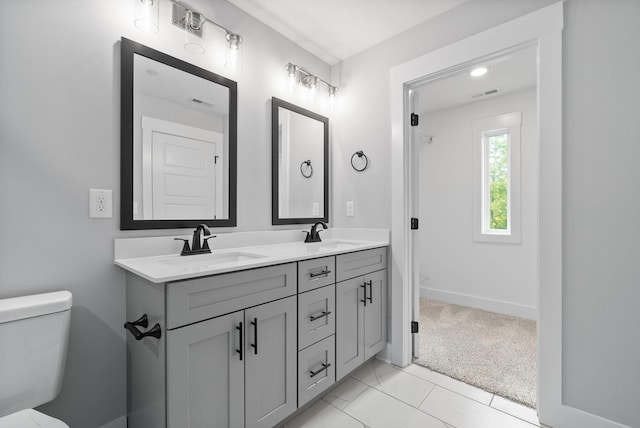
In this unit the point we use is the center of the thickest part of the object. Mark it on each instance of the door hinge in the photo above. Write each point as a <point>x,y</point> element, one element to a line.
<point>414,119</point>
<point>414,223</point>
<point>414,326</point>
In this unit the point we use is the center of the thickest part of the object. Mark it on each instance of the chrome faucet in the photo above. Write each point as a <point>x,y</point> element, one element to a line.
<point>314,235</point>
<point>196,246</point>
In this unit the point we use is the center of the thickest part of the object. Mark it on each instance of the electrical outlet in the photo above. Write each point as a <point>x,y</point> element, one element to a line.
<point>316,208</point>
<point>350,209</point>
<point>100,203</point>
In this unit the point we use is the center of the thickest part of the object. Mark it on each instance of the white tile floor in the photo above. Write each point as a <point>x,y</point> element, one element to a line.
<point>383,396</point>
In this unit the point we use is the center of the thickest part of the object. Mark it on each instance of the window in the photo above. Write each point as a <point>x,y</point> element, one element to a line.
<point>496,150</point>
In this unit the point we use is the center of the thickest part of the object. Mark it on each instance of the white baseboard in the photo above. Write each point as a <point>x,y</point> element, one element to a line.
<point>121,422</point>
<point>499,306</point>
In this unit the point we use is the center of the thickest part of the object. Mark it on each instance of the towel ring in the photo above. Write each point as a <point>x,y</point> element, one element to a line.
<point>309,169</point>
<point>360,155</point>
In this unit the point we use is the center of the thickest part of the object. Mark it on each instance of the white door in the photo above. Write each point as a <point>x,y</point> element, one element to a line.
<point>183,177</point>
<point>181,171</point>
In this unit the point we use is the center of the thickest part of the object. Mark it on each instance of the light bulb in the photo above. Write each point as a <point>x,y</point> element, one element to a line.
<point>233,52</point>
<point>194,32</point>
<point>477,72</point>
<point>146,15</point>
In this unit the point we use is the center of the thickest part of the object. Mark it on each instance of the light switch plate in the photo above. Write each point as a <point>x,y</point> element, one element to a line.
<point>350,209</point>
<point>100,203</point>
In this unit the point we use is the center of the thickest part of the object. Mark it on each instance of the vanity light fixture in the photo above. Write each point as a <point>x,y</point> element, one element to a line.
<point>479,71</point>
<point>193,24</point>
<point>305,79</point>
<point>146,15</point>
<point>233,52</point>
<point>194,32</point>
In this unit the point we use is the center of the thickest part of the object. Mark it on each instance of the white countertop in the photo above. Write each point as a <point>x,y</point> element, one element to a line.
<point>172,267</point>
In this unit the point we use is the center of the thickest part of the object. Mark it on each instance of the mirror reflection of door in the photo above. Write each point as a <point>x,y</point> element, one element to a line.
<point>181,138</point>
<point>182,171</point>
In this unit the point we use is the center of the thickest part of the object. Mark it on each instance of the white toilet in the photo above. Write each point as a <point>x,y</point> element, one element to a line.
<point>33,349</point>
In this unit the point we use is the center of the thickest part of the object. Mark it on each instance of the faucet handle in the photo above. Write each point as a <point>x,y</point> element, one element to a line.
<point>205,243</point>
<point>308,237</point>
<point>185,247</point>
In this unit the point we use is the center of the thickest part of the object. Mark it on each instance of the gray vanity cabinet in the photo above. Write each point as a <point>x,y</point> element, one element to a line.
<point>361,316</point>
<point>246,349</point>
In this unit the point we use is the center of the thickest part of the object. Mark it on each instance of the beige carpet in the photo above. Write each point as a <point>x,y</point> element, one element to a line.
<point>492,351</point>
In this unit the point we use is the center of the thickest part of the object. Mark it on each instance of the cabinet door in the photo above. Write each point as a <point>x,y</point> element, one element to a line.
<point>270,365</point>
<point>205,377</point>
<point>349,326</point>
<point>375,313</point>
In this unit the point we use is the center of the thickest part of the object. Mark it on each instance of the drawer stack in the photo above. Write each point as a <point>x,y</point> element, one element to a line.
<point>316,327</point>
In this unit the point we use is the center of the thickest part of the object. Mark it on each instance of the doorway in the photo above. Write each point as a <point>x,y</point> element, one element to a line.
<point>475,189</point>
<point>543,28</point>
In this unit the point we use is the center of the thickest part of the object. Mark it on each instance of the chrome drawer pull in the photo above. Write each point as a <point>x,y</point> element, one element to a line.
<point>323,273</point>
<point>324,367</point>
<point>322,315</point>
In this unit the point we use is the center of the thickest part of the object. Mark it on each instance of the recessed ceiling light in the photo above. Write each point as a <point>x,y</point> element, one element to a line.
<point>480,71</point>
<point>152,72</point>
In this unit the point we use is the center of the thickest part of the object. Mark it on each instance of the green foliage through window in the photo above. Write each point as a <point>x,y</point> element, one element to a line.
<point>498,165</point>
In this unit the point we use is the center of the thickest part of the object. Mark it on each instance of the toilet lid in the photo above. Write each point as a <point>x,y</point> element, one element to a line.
<point>30,419</point>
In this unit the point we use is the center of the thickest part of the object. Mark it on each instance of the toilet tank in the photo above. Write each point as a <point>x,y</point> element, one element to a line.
<point>33,346</point>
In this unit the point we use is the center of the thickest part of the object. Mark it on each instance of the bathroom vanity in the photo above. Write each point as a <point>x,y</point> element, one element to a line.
<point>250,337</point>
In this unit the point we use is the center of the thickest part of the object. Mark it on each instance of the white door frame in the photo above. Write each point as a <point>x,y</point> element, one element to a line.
<point>544,28</point>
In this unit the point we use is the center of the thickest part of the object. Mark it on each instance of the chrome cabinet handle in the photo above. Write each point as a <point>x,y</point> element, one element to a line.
<point>316,373</point>
<point>317,317</point>
<point>323,273</point>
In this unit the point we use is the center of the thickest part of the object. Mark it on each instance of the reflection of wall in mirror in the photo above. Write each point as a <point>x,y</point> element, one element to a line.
<point>302,139</point>
<point>147,105</point>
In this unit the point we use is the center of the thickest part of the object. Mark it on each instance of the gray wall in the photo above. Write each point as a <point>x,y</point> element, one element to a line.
<point>601,344</point>
<point>60,136</point>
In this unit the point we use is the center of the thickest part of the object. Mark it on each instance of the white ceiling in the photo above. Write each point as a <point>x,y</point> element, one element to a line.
<point>334,30</point>
<point>508,73</point>
<point>162,81</point>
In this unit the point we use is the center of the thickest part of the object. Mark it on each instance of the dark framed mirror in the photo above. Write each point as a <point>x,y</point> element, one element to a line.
<point>300,164</point>
<point>178,143</point>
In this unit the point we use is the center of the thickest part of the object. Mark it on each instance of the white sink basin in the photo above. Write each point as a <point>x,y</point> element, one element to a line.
<point>206,261</point>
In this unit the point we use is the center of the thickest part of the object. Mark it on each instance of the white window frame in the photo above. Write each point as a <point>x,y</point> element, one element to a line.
<point>509,123</point>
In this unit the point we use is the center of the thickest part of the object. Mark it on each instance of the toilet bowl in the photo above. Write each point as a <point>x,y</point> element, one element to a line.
<point>34,331</point>
<point>30,418</point>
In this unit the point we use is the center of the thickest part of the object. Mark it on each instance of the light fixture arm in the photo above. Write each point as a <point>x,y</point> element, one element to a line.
<point>305,78</point>
<point>186,7</point>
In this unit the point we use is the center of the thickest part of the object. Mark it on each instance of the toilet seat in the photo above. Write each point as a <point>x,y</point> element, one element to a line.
<point>30,418</point>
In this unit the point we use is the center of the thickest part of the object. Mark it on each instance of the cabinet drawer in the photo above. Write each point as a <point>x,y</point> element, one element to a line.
<point>198,299</point>
<point>316,273</point>
<point>360,263</point>
<point>316,315</point>
<point>316,369</point>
